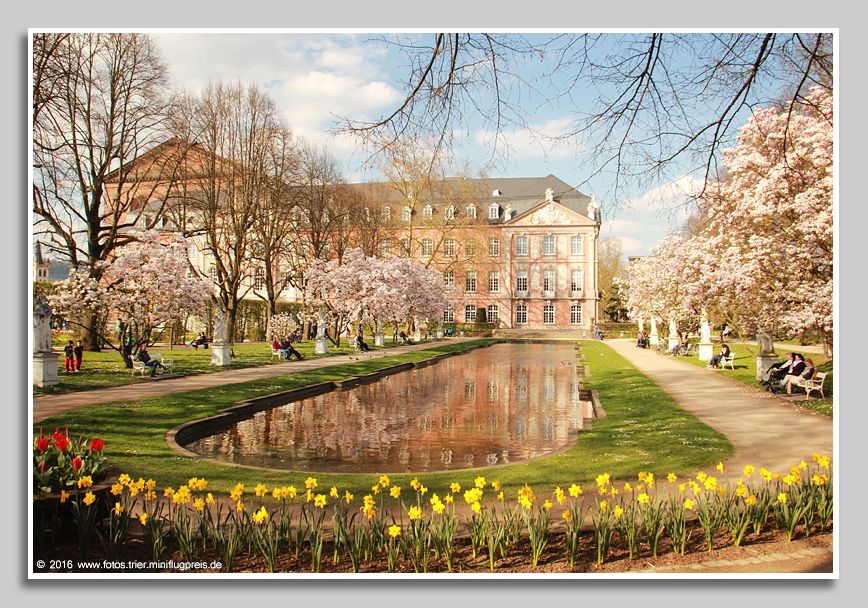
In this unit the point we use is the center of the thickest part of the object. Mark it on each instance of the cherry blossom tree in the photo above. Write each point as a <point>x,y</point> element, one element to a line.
<point>144,285</point>
<point>763,257</point>
<point>365,289</point>
<point>769,235</point>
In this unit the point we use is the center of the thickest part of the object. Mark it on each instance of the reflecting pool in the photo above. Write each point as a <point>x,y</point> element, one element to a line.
<point>503,404</point>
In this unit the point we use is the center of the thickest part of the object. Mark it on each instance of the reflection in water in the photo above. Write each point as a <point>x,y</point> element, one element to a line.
<point>496,405</point>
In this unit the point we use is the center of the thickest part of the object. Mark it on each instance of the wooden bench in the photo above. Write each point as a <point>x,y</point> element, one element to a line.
<point>730,360</point>
<point>140,366</point>
<point>816,384</point>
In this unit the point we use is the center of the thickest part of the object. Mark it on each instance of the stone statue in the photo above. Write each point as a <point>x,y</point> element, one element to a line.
<point>220,334</point>
<point>321,324</point>
<point>41,325</point>
<point>766,346</point>
<point>673,329</point>
<point>705,330</point>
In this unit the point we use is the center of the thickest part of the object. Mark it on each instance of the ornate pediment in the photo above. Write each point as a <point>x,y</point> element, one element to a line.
<point>550,213</point>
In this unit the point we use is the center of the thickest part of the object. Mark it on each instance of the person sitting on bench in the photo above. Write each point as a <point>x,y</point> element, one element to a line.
<point>145,358</point>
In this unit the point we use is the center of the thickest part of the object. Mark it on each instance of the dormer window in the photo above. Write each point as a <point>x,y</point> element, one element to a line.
<point>387,213</point>
<point>471,211</point>
<point>450,212</point>
<point>494,211</point>
<point>407,214</point>
<point>428,211</point>
<point>496,193</point>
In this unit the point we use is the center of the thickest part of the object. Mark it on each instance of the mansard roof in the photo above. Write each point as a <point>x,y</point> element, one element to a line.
<point>519,194</point>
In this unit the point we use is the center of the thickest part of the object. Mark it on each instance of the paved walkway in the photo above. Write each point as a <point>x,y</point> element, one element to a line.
<point>45,406</point>
<point>766,430</point>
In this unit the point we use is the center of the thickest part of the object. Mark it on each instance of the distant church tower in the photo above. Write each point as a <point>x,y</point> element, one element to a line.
<point>40,265</point>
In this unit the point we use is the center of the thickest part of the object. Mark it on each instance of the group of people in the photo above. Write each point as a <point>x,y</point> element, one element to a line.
<point>643,340</point>
<point>73,355</point>
<point>793,371</point>
<point>285,348</point>
<point>200,340</point>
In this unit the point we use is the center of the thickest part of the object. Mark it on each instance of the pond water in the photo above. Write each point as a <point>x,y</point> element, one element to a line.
<point>503,404</point>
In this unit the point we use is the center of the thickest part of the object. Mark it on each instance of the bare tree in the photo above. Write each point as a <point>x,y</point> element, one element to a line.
<point>229,179</point>
<point>661,105</point>
<point>99,100</point>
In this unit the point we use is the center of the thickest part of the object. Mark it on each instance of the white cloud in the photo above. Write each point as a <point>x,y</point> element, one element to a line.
<point>538,141</point>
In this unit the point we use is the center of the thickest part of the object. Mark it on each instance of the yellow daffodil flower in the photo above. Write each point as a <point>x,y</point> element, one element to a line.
<point>89,498</point>
<point>671,478</point>
<point>395,531</point>
<point>395,492</point>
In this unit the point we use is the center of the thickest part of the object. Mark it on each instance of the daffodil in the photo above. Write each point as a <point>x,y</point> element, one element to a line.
<point>748,470</point>
<point>477,508</point>
<point>643,498</point>
<point>320,501</point>
<point>671,478</point>
<point>143,518</point>
<point>395,531</point>
<point>604,505</point>
<point>455,488</point>
<point>384,481</point>
<point>603,479</point>
<point>547,505</point>
<point>117,488</point>
<point>261,490</point>
<point>479,482</point>
<point>348,497</point>
<point>124,479</point>
<point>64,496</point>
<point>575,490</point>
<point>782,498</point>
<point>199,504</point>
<point>720,466</point>
<point>310,483</point>
<point>209,499</point>
<point>688,504</point>
<point>415,513</point>
<point>496,486</point>
<point>750,500</point>
<point>119,508</point>
<point>395,492</point>
<point>334,492</point>
<point>84,481</point>
<point>618,512</point>
<point>567,515</point>
<point>89,498</point>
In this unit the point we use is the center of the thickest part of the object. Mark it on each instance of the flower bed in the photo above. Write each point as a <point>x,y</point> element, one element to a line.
<point>293,529</point>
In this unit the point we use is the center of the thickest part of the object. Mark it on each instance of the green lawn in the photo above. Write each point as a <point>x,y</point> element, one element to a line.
<point>645,431</point>
<point>106,368</point>
<point>745,372</point>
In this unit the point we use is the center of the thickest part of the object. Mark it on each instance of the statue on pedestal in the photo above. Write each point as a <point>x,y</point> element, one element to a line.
<point>220,334</point>
<point>705,330</point>
<point>766,345</point>
<point>41,325</point>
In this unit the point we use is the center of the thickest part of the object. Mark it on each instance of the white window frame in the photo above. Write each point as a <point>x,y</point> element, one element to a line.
<point>549,279</point>
<point>427,247</point>
<point>470,282</point>
<point>492,314</point>
<point>471,211</point>
<point>407,214</point>
<point>577,244</point>
<point>385,247</point>
<point>387,213</point>
<point>576,314</point>
<point>428,211</point>
<point>450,212</point>
<point>577,285</point>
<point>493,281</point>
<point>449,277</point>
<point>470,313</point>
<point>521,314</point>
<point>449,247</point>
<point>259,278</point>
<point>494,247</point>
<point>471,247</point>
<point>521,246</point>
<point>549,245</point>
<point>548,314</point>
<point>494,211</point>
<point>522,280</point>
<point>449,316</point>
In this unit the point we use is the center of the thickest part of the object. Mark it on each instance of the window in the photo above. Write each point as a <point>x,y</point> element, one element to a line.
<point>520,315</point>
<point>494,281</point>
<point>450,212</point>
<point>494,211</point>
<point>549,279</point>
<point>212,272</point>
<point>470,313</point>
<point>470,248</point>
<point>521,280</point>
<point>404,250</point>
<point>449,277</point>
<point>325,252</point>
<point>449,316</point>
<point>492,314</point>
<point>576,314</point>
<point>549,314</point>
<point>259,279</point>
<point>427,247</point>
<point>428,212</point>
<point>470,281</point>
<point>406,214</point>
<point>385,247</point>
<point>387,213</point>
<point>449,247</point>
<point>576,279</point>
<point>521,245</point>
<point>471,211</point>
<point>577,244</point>
<point>494,247</point>
<point>548,245</point>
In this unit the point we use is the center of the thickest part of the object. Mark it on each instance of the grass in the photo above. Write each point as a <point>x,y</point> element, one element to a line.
<point>745,373</point>
<point>106,368</point>
<point>645,431</point>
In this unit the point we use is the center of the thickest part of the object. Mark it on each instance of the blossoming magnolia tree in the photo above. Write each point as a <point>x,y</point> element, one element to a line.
<point>664,284</point>
<point>764,259</point>
<point>145,285</point>
<point>372,290</point>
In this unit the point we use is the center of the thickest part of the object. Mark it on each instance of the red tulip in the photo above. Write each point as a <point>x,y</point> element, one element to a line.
<point>60,440</point>
<point>96,445</point>
<point>42,444</point>
<point>76,463</point>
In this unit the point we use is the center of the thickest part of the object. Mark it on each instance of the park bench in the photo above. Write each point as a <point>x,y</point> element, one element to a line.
<point>816,384</point>
<point>139,366</point>
<point>730,360</point>
<point>276,352</point>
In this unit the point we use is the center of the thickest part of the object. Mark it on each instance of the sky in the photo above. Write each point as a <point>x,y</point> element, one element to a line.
<point>317,77</point>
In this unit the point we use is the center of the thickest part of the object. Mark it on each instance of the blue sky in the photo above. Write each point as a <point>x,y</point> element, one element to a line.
<point>316,77</point>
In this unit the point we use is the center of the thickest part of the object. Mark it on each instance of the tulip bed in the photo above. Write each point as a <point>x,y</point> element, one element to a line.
<point>455,529</point>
